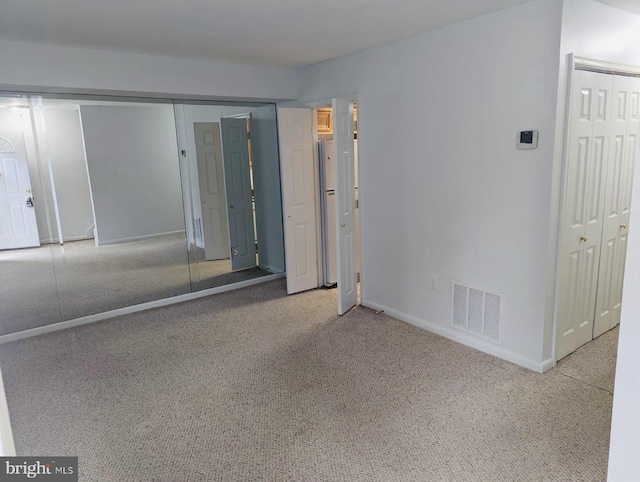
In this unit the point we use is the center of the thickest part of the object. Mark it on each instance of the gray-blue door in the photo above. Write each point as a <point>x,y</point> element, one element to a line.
<point>237,176</point>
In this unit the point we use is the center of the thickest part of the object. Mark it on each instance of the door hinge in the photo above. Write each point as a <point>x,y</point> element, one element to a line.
<point>357,203</point>
<point>248,135</point>
<point>358,277</point>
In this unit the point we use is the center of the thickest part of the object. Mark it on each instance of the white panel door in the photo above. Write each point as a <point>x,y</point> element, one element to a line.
<point>18,227</point>
<point>345,204</point>
<point>212,194</point>
<point>299,186</point>
<point>235,148</point>
<point>622,153</point>
<point>583,211</point>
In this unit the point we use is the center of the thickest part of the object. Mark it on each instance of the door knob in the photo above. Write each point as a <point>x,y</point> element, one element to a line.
<point>623,226</point>
<point>29,202</point>
<point>584,239</point>
<point>343,225</point>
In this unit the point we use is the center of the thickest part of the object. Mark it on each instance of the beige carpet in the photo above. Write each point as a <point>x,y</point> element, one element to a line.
<point>256,385</point>
<point>45,285</point>
<point>595,362</point>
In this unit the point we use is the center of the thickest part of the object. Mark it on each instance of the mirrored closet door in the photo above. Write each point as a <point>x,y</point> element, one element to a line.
<point>28,293</point>
<point>110,202</point>
<point>230,163</point>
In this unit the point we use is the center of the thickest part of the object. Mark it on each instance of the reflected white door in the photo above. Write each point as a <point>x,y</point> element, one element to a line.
<point>622,153</point>
<point>299,186</point>
<point>583,212</point>
<point>345,204</point>
<point>237,175</point>
<point>212,194</point>
<point>18,227</point>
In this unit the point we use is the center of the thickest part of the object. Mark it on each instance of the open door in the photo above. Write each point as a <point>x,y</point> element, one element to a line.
<point>235,149</point>
<point>18,226</point>
<point>215,232</point>
<point>299,198</point>
<point>345,204</point>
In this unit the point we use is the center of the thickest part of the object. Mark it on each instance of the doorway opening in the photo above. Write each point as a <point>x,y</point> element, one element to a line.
<point>302,190</point>
<point>327,176</point>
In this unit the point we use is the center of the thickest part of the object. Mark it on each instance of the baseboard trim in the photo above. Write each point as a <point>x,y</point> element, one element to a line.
<point>63,325</point>
<point>138,238</point>
<point>460,337</point>
<point>547,365</point>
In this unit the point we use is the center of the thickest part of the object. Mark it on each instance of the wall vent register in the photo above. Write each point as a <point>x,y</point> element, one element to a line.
<point>477,311</point>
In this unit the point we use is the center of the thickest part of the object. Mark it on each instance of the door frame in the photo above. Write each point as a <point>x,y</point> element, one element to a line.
<point>575,62</point>
<point>318,104</point>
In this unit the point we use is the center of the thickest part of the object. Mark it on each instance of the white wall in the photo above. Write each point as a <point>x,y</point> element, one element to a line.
<point>54,68</point>
<point>66,150</point>
<point>134,174</point>
<point>443,189</point>
<point>591,29</point>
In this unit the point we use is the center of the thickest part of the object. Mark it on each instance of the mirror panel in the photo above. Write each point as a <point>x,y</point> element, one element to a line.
<point>233,234</point>
<point>128,201</point>
<point>28,294</point>
<point>118,199</point>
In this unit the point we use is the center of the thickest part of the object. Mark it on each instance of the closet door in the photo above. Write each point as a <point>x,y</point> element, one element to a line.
<point>622,153</point>
<point>583,211</point>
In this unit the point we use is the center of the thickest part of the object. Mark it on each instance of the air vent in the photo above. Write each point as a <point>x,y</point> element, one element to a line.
<point>477,311</point>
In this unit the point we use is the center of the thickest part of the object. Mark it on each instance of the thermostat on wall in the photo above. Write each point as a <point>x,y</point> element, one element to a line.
<point>527,140</point>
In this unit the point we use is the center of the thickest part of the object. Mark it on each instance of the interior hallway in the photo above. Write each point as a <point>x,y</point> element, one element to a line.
<point>256,385</point>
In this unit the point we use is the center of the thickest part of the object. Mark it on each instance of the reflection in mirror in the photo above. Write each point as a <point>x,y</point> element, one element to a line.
<point>231,181</point>
<point>28,296</point>
<point>116,194</point>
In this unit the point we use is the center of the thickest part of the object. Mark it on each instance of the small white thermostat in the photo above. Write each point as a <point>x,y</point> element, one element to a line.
<point>527,140</point>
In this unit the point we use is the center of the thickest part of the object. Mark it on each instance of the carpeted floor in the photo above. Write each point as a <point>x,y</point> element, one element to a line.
<point>595,362</point>
<point>92,279</point>
<point>257,385</point>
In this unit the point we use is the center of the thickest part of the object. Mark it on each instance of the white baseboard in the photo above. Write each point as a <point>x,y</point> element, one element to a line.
<point>137,238</point>
<point>547,365</point>
<point>66,239</point>
<point>62,325</point>
<point>461,337</point>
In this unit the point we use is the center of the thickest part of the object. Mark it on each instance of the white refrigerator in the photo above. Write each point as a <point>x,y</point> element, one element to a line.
<point>328,209</point>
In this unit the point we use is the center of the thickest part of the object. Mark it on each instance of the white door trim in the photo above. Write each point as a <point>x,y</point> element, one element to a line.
<point>575,62</point>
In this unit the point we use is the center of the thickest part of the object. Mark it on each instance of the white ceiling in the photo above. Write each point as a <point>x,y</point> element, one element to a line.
<point>265,32</point>
<point>632,6</point>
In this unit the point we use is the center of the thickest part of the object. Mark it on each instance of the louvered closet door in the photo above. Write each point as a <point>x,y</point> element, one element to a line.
<point>583,211</point>
<point>622,153</point>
